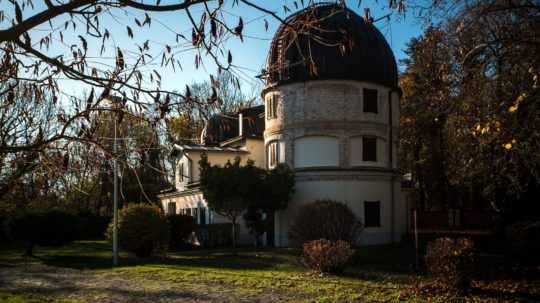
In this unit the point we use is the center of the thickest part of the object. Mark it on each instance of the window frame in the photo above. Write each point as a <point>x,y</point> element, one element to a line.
<point>169,204</point>
<point>271,107</point>
<point>371,105</point>
<point>371,206</point>
<point>365,155</point>
<point>273,154</point>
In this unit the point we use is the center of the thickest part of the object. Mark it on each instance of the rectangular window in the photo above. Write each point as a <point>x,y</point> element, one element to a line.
<point>372,214</point>
<point>371,101</point>
<point>369,149</point>
<point>273,154</point>
<point>271,107</point>
<point>171,208</point>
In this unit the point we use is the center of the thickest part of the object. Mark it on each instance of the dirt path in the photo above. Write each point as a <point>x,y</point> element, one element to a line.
<point>114,287</point>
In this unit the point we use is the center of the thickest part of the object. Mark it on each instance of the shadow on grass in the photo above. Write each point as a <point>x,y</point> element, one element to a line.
<point>391,259</point>
<point>97,255</point>
<point>370,263</point>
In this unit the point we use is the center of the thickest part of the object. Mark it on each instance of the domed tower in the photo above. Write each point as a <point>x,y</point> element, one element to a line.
<point>332,113</point>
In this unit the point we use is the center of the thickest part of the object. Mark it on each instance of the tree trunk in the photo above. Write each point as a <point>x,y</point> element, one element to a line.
<point>234,232</point>
<point>270,222</point>
<point>29,249</point>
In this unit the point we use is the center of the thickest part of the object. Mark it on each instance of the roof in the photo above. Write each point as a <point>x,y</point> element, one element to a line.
<point>206,148</point>
<point>223,127</point>
<point>341,43</point>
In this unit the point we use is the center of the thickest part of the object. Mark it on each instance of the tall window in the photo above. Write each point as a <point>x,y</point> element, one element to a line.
<point>271,107</point>
<point>372,214</point>
<point>371,101</point>
<point>181,172</point>
<point>369,149</point>
<point>273,154</point>
<point>171,208</point>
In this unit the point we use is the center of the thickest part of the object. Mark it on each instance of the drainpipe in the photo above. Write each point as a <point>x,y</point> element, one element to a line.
<point>391,166</point>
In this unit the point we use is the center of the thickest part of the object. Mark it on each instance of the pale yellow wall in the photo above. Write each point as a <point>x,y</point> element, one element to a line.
<point>254,147</point>
<point>219,158</point>
<point>256,151</point>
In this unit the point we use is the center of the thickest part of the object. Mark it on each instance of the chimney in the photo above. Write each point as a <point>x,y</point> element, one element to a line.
<point>367,15</point>
<point>240,125</point>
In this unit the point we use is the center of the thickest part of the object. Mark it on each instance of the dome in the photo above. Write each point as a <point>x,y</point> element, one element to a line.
<point>327,41</point>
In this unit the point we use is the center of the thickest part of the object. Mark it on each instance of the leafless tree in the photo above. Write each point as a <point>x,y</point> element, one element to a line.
<point>44,45</point>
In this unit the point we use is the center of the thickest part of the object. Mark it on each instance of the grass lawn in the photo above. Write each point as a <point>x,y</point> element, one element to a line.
<point>82,272</point>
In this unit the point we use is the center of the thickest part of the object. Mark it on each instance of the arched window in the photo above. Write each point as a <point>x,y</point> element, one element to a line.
<point>316,151</point>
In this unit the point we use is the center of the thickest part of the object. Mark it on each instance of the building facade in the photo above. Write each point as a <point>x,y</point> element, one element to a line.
<point>331,112</point>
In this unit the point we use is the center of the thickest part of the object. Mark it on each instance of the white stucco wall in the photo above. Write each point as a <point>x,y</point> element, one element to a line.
<point>310,113</point>
<point>196,200</point>
<point>353,193</point>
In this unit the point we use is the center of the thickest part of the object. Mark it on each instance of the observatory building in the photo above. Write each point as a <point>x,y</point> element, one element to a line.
<point>331,112</point>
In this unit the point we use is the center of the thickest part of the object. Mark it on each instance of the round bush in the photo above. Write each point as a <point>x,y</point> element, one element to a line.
<point>324,219</point>
<point>451,261</point>
<point>47,228</point>
<point>142,230</point>
<point>181,227</point>
<point>327,256</point>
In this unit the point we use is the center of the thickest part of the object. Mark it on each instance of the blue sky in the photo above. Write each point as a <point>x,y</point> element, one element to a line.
<point>249,56</point>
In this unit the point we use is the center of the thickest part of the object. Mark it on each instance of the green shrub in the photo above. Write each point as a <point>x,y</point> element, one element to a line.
<point>324,219</point>
<point>451,261</point>
<point>46,228</point>
<point>181,227</point>
<point>523,240</point>
<point>142,230</point>
<point>326,256</point>
<point>92,227</point>
<point>216,235</point>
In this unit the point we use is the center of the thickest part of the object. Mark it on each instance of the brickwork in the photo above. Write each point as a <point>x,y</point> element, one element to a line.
<point>328,108</point>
